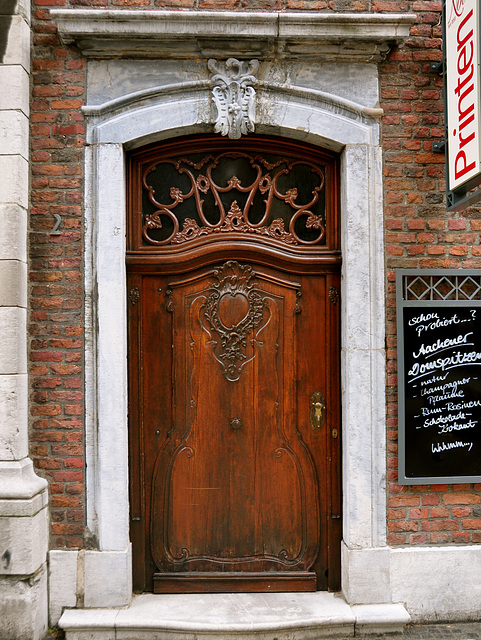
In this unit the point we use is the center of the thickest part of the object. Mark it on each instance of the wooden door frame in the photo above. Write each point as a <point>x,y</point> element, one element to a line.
<point>304,259</point>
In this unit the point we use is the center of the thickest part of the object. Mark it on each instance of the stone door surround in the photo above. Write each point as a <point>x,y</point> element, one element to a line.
<point>317,82</point>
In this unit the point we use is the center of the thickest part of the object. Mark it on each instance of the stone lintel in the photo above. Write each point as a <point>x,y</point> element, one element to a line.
<point>353,37</point>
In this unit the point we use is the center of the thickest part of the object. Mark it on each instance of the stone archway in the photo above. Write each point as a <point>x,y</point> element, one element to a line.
<point>361,295</point>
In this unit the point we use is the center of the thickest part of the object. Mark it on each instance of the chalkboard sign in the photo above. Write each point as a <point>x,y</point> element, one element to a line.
<point>439,360</point>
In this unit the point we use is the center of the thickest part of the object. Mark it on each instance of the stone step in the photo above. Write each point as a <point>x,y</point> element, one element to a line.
<point>240,616</point>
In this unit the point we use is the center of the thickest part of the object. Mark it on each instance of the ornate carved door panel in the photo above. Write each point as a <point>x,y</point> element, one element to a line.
<point>234,458</point>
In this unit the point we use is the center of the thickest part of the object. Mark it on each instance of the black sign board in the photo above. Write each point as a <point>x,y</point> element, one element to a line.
<point>439,358</point>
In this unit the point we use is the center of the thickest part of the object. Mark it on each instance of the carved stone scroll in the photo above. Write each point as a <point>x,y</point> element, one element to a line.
<point>234,95</point>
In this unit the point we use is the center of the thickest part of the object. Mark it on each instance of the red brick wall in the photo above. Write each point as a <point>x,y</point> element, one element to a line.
<point>419,233</point>
<point>56,298</point>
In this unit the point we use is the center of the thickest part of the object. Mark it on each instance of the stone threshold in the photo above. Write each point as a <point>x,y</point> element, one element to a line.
<point>241,616</point>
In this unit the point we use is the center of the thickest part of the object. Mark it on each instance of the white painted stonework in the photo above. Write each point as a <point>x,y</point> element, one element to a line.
<point>23,495</point>
<point>65,584</point>
<point>438,583</point>
<point>331,102</point>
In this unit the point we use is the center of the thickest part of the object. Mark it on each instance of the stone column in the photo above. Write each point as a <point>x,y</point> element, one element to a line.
<point>23,495</point>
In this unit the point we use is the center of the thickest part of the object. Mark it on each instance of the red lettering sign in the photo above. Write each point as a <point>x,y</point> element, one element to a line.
<point>463,91</point>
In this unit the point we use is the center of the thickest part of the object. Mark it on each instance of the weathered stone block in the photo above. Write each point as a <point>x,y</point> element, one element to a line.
<point>14,134</point>
<point>437,583</point>
<point>22,492</point>
<point>13,283</point>
<point>366,575</point>
<point>62,583</point>
<point>23,542</point>
<point>13,417</point>
<point>14,80</point>
<point>23,606</point>
<point>18,41</point>
<point>13,239</point>
<point>108,578</point>
<point>13,329</point>
<point>12,7</point>
<point>14,183</point>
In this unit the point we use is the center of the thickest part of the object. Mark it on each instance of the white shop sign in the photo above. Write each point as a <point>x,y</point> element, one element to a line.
<point>463,90</point>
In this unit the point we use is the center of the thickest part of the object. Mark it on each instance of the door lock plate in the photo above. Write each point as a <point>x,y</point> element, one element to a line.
<point>318,410</point>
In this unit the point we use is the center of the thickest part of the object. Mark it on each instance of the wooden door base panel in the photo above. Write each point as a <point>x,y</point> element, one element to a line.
<point>233,582</point>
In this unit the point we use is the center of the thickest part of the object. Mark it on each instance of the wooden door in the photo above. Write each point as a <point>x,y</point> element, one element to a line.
<point>234,380</point>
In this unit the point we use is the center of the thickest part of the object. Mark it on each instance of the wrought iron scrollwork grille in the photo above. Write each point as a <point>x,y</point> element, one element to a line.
<point>280,199</point>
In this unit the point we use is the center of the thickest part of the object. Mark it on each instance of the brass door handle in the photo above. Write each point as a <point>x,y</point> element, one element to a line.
<point>318,410</point>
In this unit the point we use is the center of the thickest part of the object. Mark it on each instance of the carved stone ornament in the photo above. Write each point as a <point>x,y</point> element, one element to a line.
<point>233,92</point>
